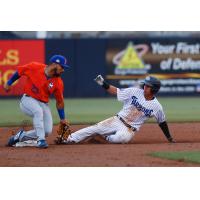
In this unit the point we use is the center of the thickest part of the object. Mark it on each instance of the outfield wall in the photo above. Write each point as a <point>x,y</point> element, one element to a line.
<point>124,62</point>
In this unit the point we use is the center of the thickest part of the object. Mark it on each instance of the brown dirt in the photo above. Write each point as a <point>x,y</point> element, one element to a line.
<point>148,139</point>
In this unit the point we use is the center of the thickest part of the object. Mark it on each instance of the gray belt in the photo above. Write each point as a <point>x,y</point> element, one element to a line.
<point>126,124</point>
<point>34,98</point>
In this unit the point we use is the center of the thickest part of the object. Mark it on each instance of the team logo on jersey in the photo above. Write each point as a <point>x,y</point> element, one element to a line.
<point>50,85</point>
<point>139,107</point>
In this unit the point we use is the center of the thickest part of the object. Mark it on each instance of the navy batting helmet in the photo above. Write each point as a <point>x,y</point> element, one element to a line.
<point>152,82</point>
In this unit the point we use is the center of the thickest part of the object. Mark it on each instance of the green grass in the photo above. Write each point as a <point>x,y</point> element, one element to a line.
<point>77,111</point>
<point>96,109</point>
<point>181,109</point>
<point>193,156</point>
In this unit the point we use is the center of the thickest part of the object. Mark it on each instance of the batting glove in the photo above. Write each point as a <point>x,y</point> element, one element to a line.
<point>99,80</point>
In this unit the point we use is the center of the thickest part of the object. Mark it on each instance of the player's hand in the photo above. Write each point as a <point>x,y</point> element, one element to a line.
<point>99,80</point>
<point>7,87</point>
<point>64,122</point>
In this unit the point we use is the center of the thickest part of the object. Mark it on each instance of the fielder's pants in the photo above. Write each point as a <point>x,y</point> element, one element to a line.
<point>42,118</point>
<point>112,129</point>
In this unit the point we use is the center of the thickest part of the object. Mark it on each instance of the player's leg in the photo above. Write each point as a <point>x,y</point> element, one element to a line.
<point>28,135</point>
<point>48,121</point>
<point>103,128</point>
<point>122,135</point>
<point>32,108</point>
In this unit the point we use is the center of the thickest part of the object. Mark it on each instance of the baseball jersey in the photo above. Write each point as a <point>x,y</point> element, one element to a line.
<point>38,85</point>
<point>136,109</point>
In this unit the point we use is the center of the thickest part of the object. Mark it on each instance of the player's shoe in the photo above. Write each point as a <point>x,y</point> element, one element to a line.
<point>15,138</point>
<point>42,144</point>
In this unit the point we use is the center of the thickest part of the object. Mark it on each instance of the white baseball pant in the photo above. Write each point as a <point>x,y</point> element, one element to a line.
<point>112,129</point>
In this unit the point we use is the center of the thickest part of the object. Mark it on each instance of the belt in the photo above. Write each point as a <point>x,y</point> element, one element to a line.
<point>34,98</point>
<point>126,124</point>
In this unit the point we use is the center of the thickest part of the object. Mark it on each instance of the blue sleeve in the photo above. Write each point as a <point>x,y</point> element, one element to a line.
<point>14,77</point>
<point>61,113</point>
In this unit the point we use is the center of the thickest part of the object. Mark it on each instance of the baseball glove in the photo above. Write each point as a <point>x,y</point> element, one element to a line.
<point>63,132</point>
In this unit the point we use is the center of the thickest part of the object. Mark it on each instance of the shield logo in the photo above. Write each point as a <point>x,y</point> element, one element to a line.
<point>50,85</point>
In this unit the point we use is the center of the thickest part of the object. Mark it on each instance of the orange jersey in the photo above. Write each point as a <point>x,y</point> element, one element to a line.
<point>38,85</point>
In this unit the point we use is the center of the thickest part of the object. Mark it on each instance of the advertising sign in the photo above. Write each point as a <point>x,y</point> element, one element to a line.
<point>14,53</point>
<point>175,61</point>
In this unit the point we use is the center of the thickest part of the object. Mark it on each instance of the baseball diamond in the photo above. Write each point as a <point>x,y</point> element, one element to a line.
<point>90,154</point>
<point>119,102</point>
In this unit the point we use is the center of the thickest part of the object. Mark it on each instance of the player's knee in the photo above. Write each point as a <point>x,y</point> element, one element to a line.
<point>119,139</point>
<point>125,140</point>
<point>38,113</point>
<point>113,139</point>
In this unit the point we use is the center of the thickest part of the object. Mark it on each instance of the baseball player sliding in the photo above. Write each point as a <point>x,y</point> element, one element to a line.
<point>140,104</point>
<point>42,81</point>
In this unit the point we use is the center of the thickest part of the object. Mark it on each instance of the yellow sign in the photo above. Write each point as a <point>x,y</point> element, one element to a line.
<point>130,59</point>
<point>11,58</point>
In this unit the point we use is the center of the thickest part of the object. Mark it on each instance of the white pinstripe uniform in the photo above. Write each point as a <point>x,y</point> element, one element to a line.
<point>136,110</point>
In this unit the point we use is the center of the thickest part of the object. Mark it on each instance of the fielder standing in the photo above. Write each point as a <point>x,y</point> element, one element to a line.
<point>42,81</point>
<point>140,104</point>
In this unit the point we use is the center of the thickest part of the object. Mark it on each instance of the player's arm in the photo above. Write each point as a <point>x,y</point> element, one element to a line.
<point>160,117</point>
<point>165,129</point>
<point>60,108</point>
<point>61,111</point>
<point>21,71</point>
<point>109,88</point>
<point>60,105</point>
<point>7,85</point>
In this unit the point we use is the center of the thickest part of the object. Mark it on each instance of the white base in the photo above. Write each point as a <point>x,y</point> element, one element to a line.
<point>28,143</point>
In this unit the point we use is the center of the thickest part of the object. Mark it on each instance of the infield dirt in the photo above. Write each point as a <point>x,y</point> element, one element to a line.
<point>149,139</point>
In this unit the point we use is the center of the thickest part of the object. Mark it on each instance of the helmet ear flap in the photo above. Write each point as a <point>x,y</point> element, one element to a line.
<point>155,90</point>
<point>152,89</point>
<point>141,85</point>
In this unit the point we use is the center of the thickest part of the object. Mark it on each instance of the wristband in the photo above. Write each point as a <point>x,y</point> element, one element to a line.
<point>105,85</point>
<point>61,113</point>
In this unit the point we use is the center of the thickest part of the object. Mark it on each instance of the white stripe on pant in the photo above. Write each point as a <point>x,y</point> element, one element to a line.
<point>42,118</point>
<point>112,129</point>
